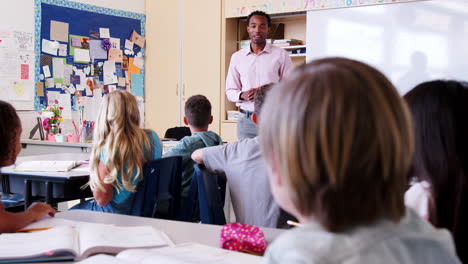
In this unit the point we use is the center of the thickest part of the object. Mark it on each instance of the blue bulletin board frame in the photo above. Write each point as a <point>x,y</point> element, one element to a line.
<point>82,18</point>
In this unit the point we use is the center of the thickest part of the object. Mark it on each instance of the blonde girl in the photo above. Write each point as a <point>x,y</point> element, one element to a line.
<point>120,150</point>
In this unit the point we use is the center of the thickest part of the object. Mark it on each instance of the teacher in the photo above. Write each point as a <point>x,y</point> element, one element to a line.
<point>252,67</point>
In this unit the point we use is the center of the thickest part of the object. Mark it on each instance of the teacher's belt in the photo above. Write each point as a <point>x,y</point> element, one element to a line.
<point>247,113</point>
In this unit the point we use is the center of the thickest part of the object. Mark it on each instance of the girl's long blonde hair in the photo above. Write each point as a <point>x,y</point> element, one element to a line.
<point>118,133</point>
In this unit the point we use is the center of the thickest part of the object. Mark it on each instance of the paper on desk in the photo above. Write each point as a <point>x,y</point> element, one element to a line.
<point>59,31</point>
<point>50,47</point>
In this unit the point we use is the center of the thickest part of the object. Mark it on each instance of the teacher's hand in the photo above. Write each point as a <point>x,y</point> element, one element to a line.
<point>249,95</point>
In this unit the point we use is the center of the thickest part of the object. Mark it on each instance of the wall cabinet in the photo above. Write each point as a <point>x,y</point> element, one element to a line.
<point>183,50</point>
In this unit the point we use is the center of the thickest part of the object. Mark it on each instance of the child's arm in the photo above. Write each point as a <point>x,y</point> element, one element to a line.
<point>103,197</point>
<point>10,222</point>
<point>197,156</point>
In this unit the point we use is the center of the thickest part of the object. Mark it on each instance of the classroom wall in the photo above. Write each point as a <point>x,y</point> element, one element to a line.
<point>20,16</point>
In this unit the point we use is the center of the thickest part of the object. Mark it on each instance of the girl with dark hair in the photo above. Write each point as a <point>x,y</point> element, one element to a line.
<point>10,131</point>
<point>440,193</point>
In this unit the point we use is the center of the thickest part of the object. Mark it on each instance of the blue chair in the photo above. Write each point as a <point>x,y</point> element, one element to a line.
<point>209,189</point>
<point>158,194</point>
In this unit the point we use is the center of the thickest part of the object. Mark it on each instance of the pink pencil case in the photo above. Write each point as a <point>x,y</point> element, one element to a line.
<point>243,238</point>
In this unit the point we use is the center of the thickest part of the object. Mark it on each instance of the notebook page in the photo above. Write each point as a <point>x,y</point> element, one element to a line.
<point>22,245</point>
<point>46,165</point>
<point>191,253</point>
<point>104,259</point>
<point>113,239</point>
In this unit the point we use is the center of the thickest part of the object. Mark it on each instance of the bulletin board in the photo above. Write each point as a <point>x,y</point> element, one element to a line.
<point>85,51</point>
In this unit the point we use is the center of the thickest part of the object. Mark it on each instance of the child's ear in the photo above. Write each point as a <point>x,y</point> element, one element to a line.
<point>254,118</point>
<point>211,120</point>
<point>185,121</point>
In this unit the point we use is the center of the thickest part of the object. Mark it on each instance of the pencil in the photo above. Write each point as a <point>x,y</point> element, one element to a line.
<point>292,223</point>
<point>33,229</point>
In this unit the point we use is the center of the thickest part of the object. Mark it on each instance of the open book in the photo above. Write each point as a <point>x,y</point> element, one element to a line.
<point>47,165</point>
<point>69,242</point>
<point>190,253</point>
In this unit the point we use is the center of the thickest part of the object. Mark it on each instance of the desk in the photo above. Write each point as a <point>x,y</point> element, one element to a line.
<point>54,186</point>
<point>40,147</point>
<point>178,232</point>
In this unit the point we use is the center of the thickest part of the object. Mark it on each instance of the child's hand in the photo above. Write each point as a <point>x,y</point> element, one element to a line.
<point>39,210</point>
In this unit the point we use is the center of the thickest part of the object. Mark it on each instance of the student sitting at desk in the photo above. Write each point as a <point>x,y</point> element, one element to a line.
<point>198,117</point>
<point>338,159</point>
<point>246,173</point>
<point>10,132</point>
<point>120,150</point>
<point>440,193</point>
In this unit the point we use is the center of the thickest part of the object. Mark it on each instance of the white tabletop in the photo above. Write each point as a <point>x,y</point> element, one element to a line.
<point>52,143</point>
<point>77,172</point>
<point>178,232</point>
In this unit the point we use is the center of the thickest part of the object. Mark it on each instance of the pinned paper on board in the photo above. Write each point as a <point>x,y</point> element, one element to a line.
<point>115,55</point>
<point>81,56</point>
<point>58,67</point>
<point>65,102</point>
<point>124,63</point>
<point>19,89</point>
<point>104,33</point>
<point>137,84</point>
<point>67,72</point>
<point>76,42</point>
<point>75,79</point>
<point>115,43</point>
<point>46,59</point>
<point>62,50</point>
<point>59,31</point>
<point>93,34</point>
<point>46,71</point>
<point>109,72</point>
<point>49,82</point>
<point>138,62</point>
<point>97,68</point>
<point>128,44</point>
<point>121,82</point>
<point>40,89</point>
<point>50,47</point>
<point>96,50</point>
<point>132,68</point>
<point>137,39</point>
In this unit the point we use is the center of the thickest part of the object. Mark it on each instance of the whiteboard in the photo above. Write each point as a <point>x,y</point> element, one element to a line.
<point>409,42</point>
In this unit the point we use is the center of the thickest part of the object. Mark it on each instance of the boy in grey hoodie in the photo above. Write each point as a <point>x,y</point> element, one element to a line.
<point>198,117</point>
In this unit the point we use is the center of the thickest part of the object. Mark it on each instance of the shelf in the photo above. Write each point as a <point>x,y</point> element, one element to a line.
<point>294,47</point>
<point>297,55</point>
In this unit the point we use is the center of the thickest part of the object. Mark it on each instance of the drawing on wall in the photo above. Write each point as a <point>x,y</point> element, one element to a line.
<point>239,9</point>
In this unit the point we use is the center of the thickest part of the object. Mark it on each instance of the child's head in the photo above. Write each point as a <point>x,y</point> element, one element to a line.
<point>260,96</point>
<point>440,117</point>
<point>117,133</point>
<point>10,132</point>
<point>198,112</point>
<point>338,142</point>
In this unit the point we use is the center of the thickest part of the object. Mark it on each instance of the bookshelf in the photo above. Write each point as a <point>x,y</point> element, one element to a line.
<point>234,31</point>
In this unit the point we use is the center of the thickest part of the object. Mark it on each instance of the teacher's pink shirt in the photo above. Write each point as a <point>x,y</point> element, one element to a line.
<point>249,70</point>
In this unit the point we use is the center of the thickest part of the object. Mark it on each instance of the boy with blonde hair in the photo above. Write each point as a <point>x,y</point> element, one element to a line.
<point>338,159</point>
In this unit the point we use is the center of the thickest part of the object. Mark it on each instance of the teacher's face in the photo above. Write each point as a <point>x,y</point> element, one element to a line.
<point>258,29</point>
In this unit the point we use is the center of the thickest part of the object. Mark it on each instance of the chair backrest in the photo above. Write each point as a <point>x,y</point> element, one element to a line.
<point>158,194</point>
<point>211,190</point>
<point>177,132</point>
